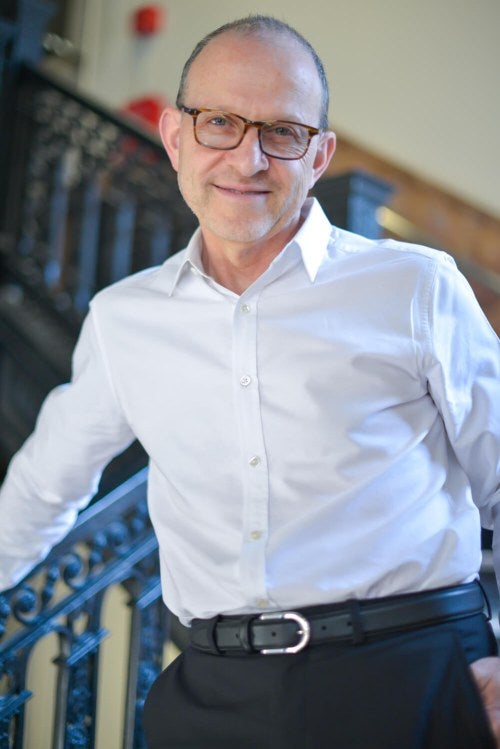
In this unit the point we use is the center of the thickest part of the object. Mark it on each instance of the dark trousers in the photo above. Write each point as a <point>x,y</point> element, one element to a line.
<point>412,690</point>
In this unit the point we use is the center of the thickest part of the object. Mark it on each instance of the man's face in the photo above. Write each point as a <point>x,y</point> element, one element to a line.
<point>242,196</point>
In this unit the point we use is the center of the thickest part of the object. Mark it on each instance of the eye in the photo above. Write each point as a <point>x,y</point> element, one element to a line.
<point>218,120</point>
<point>283,131</point>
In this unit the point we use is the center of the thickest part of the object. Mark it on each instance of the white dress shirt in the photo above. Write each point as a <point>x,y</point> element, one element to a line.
<point>332,432</point>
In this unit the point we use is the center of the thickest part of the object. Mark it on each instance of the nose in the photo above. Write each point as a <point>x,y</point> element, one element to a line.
<point>248,156</point>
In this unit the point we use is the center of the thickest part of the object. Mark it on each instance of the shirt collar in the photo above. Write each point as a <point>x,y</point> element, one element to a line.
<point>181,262</point>
<point>312,239</point>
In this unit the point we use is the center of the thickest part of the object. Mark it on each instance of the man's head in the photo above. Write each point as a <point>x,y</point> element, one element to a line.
<point>263,71</point>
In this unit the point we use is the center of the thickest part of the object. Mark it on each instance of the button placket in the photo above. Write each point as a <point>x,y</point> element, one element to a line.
<point>254,467</point>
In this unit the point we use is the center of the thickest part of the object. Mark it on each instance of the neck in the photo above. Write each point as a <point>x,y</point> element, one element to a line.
<point>237,269</point>
<point>236,265</point>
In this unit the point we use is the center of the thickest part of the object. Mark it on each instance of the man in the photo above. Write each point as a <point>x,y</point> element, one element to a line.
<point>322,415</point>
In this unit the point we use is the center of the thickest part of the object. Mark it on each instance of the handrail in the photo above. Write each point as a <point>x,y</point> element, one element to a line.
<point>128,123</point>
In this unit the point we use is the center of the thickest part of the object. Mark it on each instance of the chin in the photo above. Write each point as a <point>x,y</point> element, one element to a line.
<point>241,232</point>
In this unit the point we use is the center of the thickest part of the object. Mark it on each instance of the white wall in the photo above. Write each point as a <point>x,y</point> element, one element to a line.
<point>416,81</point>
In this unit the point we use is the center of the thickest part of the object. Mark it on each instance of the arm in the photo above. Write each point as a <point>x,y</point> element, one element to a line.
<point>81,427</point>
<point>462,365</point>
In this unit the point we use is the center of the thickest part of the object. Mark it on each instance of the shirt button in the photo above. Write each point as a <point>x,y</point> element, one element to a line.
<point>256,535</point>
<point>254,461</point>
<point>245,381</point>
<point>245,308</point>
<point>262,603</point>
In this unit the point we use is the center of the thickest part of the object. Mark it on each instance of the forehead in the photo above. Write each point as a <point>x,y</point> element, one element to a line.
<point>255,76</point>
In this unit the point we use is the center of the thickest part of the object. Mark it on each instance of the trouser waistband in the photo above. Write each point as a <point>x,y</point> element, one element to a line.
<point>353,620</point>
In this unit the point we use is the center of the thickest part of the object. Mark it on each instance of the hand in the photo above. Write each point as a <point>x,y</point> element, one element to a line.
<point>486,672</point>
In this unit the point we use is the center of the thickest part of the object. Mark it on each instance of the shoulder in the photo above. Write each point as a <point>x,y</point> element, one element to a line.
<point>390,251</point>
<point>413,268</point>
<point>145,284</point>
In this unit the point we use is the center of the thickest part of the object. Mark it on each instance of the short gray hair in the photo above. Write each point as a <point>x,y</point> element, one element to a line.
<point>255,25</point>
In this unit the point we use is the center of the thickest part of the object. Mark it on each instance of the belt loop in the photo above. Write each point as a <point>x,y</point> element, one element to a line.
<point>211,635</point>
<point>244,635</point>
<point>358,633</point>
<point>204,636</point>
<point>489,613</point>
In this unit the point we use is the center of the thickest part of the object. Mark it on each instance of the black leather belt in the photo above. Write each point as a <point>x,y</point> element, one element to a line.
<point>291,631</point>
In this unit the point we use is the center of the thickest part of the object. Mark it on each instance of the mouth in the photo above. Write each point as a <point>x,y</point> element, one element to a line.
<point>245,192</point>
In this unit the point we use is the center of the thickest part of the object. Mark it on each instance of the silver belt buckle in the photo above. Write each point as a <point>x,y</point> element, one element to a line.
<point>304,631</point>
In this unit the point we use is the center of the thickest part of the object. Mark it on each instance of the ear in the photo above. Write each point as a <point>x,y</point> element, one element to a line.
<point>169,126</point>
<point>324,152</point>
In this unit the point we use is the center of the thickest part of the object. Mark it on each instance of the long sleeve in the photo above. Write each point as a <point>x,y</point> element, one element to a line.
<point>464,378</point>
<point>80,428</point>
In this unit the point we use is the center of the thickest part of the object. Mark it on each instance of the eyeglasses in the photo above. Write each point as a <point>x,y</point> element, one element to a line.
<point>224,131</point>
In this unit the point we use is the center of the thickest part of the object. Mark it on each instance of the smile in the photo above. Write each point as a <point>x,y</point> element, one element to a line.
<point>244,192</point>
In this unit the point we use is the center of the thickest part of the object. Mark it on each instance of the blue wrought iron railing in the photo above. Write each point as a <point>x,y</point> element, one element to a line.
<point>111,544</point>
<point>89,198</point>
<point>92,197</point>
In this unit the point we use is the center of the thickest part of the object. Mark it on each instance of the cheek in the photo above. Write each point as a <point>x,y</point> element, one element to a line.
<point>197,165</point>
<point>189,173</point>
<point>186,182</point>
<point>300,181</point>
<point>307,176</point>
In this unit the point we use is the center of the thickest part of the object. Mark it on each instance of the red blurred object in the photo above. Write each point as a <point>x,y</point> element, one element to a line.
<point>148,20</point>
<point>148,109</point>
